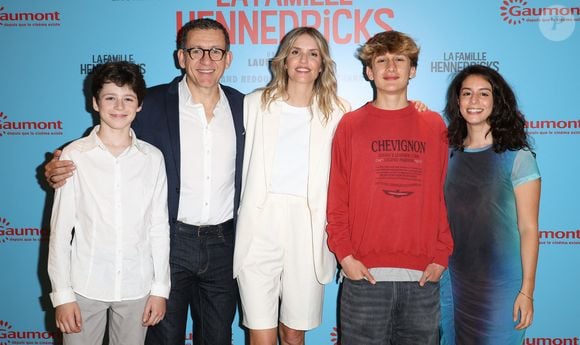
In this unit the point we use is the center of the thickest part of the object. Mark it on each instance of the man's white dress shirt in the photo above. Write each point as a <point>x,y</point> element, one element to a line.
<point>208,161</point>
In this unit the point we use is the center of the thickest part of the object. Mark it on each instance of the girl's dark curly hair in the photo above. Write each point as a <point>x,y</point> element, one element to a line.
<point>507,123</point>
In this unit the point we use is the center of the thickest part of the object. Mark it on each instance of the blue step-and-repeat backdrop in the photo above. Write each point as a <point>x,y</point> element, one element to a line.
<point>48,47</point>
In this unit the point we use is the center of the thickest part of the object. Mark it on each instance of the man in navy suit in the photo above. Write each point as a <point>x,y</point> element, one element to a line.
<point>198,125</point>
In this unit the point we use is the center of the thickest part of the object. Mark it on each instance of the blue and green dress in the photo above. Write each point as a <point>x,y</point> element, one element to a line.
<point>485,270</point>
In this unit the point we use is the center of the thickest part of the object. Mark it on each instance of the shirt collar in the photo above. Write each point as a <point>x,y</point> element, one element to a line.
<point>93,141</point>
<point>185,96</point>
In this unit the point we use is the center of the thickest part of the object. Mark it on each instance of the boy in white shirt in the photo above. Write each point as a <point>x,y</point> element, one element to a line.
<point>109,241</point>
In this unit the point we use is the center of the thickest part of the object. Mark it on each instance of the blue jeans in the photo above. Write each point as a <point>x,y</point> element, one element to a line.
<point>201,263</point>
<point>397,313</point>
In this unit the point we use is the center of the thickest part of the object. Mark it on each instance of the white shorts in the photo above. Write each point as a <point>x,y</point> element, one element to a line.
<point>277,281</point>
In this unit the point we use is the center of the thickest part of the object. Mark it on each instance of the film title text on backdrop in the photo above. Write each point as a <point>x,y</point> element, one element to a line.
<point>338,21</point>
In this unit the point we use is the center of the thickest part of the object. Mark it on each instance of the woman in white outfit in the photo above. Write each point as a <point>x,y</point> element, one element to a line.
<point>281,259</point>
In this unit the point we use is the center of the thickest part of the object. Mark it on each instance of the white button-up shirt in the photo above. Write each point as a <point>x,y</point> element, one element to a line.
<point>117,207</point>
<point>208,161</point>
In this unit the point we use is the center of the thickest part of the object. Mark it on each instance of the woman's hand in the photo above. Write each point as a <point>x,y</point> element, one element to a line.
<point>524,309</point>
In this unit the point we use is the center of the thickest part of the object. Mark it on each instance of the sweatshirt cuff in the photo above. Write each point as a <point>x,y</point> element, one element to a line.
<point>342,252</point>
<point>161,290</point>
<point>442,259</point>
<point>62,296</point>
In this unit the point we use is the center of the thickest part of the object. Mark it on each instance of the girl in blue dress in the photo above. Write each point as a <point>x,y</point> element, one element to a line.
<point>492,194</point>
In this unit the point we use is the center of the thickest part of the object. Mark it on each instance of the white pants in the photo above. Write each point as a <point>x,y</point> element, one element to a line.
<point>277,281</point>
<point>125,322</point>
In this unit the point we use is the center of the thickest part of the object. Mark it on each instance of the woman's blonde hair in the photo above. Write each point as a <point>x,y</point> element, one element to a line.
<point>325,88</point>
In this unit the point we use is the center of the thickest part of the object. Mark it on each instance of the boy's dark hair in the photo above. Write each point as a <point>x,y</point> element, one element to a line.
<point>201,24</point>
<point>121,73</point>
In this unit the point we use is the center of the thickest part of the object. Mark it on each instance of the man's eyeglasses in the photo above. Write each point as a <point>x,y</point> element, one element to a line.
<point>196,53</point>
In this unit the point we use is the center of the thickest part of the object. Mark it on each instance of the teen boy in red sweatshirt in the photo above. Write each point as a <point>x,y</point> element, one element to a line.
<point>387,221</point>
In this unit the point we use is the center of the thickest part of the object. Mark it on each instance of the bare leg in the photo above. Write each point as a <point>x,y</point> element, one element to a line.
<point>263,336</point>
<point>290,336</point>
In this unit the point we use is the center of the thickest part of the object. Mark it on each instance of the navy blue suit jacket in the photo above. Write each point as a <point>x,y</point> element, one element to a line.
<point>158,124</point>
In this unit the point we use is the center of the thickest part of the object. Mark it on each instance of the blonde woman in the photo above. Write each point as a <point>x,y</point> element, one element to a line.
<point>281,259</point>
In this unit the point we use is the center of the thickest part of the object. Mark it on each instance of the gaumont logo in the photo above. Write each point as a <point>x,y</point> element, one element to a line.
<point>32,19</point>
<point>515,12</point>
<point>556,22</point>
<point>4,224</point>
<point>334,336</point>
<point>560,237</point>
<point>553,127</point>
<point>28,128</point>
<point>4,327</point>
<point>9,233</point>
<point>9,336</point>
<point>552,341</point>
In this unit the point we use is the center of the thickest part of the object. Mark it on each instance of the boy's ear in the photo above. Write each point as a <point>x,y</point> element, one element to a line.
<point>369,72</point>
<point>95,104</point>
<point>412,72</point>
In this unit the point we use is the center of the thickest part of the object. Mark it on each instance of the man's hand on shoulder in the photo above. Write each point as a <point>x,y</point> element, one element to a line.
<point>420,106</point>
<point>57,171</point>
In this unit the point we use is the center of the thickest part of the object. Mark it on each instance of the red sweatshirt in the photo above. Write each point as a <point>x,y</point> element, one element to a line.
<point>385,199</point>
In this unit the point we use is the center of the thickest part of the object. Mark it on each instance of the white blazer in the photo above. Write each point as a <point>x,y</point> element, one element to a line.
<point>261,138</point>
